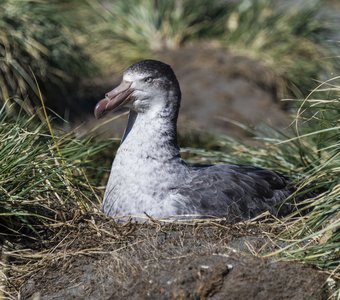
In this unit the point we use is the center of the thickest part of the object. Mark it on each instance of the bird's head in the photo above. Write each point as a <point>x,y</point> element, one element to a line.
<point>146,85</point>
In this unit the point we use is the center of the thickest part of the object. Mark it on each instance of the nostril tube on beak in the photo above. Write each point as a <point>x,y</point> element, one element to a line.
<point>114,99</point>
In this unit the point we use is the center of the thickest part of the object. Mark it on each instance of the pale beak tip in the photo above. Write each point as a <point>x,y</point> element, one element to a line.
<point>100,108</point>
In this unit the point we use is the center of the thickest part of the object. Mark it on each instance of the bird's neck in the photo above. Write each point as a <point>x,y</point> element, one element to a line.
<point>151,135</point>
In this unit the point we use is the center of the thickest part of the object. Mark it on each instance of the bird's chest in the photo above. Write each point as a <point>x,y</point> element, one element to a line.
<point>141,183</point>
<point>145,174</point>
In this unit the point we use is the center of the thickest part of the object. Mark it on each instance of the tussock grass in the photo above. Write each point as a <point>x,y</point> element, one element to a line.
<point>315,238</point>
<point>40,37</point>
<point>133,30</point>
<point>42,180</point>
<point>291,40</point>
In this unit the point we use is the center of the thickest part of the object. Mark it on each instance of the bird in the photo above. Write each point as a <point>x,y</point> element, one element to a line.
<point>148,176</point>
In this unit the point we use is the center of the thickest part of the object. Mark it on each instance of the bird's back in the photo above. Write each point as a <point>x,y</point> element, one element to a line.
<point>236,192</point>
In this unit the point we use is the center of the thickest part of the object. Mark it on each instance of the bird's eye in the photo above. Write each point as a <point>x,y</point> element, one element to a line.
<point>148,79</point>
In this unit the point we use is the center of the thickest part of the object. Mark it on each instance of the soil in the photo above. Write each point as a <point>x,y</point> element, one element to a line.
<point>99,259</point>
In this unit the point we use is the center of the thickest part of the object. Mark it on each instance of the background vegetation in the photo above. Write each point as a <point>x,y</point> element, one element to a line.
<point>48,177</point>
<point>43,179</point>
<point>63,42</point>
<point>292,40</point>
<point>41,39</point>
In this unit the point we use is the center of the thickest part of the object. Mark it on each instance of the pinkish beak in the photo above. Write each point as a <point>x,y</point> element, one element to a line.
<point>114,99</point>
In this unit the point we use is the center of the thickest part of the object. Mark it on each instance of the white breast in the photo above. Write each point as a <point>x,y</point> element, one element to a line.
<point>144,174</point>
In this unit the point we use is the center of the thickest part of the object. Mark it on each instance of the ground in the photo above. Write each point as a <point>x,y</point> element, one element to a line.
<point>96,258</point>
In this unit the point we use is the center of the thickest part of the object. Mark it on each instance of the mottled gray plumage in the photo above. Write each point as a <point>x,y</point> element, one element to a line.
<point>239,191</point>
<point>149,177</point>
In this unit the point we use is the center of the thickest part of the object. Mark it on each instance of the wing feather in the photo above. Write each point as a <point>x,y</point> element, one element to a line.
<point>234,191</point>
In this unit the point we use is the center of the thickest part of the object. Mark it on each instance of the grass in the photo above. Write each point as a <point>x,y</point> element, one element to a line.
<point>140,28</point>
<point>43,182</point>
<point>289,40</point>
<point>316,236</point>
<point>41,38</point>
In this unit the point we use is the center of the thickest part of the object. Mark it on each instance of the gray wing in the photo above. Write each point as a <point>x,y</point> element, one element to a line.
<point>234,191</point>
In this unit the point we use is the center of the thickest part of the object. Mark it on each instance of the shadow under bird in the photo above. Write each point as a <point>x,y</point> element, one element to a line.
<point>148,175</point>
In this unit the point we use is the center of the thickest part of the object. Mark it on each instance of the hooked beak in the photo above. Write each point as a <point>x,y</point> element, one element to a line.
<point>114,99</point>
